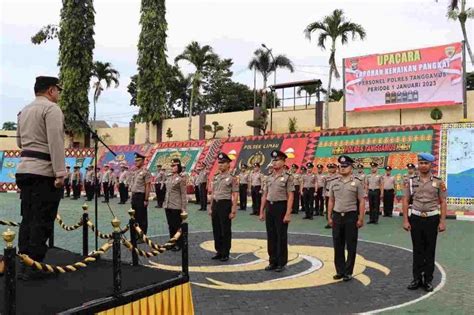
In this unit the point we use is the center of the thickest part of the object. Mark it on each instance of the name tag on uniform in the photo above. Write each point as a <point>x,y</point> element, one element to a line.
<point>353,184</point>
<point>282,179</point>
<point>435,184</point>
<point>227,179</point>
<point>141,173</point>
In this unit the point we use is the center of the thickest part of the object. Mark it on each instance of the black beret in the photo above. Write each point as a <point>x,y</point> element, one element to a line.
<point>294,166</point>
<point>303,168</point>
<point>244,165</point>
<point>256,164</point>
<point>411,165</point>
<point>345,160</point>
<point>223,158</point>
<point>68,166</point>
<point>174,161</point>
<point>388,168</point>
<point>360,166</point>
<point>43,82</point>
<point>331,165</point>
<point>374,164</point>
<point>278,154</point>
<point>309,165</point>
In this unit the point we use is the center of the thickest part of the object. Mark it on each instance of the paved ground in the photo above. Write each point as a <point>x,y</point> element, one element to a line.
<point>455,254</point>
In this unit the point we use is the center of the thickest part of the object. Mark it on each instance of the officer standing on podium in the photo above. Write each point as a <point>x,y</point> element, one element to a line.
<point>427,194</point>
<point>344,218</point>
<point>278,193</point>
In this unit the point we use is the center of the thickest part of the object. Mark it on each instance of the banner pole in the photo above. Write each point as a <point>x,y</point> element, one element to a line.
<point>343,92</point>
<point>464,79</point>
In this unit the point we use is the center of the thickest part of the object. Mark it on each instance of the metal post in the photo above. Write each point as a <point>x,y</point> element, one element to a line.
<point>85,231</point>
<point>344,113</point>
<point>117,272</point>
<point>96,194</point>
<point>10,273</point>
<point>185,258</point>
<point>133,236</point>
<point>294,98</point>
<point>282,99</point>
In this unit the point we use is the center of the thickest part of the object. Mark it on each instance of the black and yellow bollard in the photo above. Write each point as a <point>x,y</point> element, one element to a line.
<point>10,272</point>
<point>133,236</point>
<point>184,250</point>
<point>85,230</point>
<point>117,272</point>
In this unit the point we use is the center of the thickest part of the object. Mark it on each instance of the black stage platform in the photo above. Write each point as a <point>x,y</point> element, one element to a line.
<point>92,286</point>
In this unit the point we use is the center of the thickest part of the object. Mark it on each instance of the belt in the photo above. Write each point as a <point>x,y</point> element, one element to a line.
<point>276,202</point>
<point>342,214</point>
<point>36,155</point>
<point>424,214</point>
<point>217,200</point>
<point>389,189</point>
<point>374,189</point>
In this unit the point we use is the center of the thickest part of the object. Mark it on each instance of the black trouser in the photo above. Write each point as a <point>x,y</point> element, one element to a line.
<point>319,201</point>
<point>173,216</point>
<point>67,187</point>
<point>76,189</point>
<point>89,191</point>
<point>326,201</point>
<point>141,212</point>
<point>196,194</point>
<point>344,234</point>
<point>388,196</point>
<point>308,196</point>
<point>123,192</point>
<point>424,232</point>
<point>160,194</point>
<point>222,226</point>
<point>374,204</point>
<point>105,186</point>
<point>39,207</point>
<point>243,196</point>
<point>296,200</point>
<point>203,195</point>
<point>112,190</point>
<point>256,198</point>
<point>277,233</point>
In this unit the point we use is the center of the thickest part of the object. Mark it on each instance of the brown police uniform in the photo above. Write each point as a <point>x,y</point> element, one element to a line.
<point>373,183</point>
<point>297,180</point>
<point>388,194</point>
<point>124,178</point>
<point>160,187</point>
<point>141,177</point>
<point>41,137</point>
<point>309,183</point>
<point>202,183</point>
<point>244,178</point>
<point>319,199</point>
<point>256,190</point>
<point>175,202</point>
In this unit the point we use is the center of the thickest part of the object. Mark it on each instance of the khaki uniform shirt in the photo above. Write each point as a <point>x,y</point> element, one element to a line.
<point>277,186</point>
<point>90,176</point>
<point>202,177</point>
<point>346,194</point>
<point>388,182</point>
<point>309,180</point>
<point>426,196</point>
<point>328,181</point>
<point>362,177</point>
<point>123,178</point>
<point>40,128</point>
<point>76,176</point>
<point>297,179</point>
<point>223,186</point>
<point>106,177</point>
<point>244,178</point>
<point>140,178</point>
<point>256,179</point>
<point>320,180</point>
<point>160,177</point>
<point>373,181</point>
<point>68,176</point>
<point>176,193</point>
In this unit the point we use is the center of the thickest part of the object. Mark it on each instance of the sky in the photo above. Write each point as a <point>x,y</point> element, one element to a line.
<point>234,28</point>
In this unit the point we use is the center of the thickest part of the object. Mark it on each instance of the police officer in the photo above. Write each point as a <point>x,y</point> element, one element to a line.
<point>411,170</point>
<point>123,183</point>
<point>140,187</point>
<point>278,194</point>
<point>202,178</point>
<point>308,189</point>
<point>41,171</point>
<point>176,201</point>
<point>427,218</point>
<point>112,183</point>
<point>89,183</point>
<point>67,181</point>
<point>99,182</point>
<point>328,180</point>
<point>223,209</point>
<point>297,181</point>
<point>160,187</point>
<point>319,198</point>
<point>256,188</point>
<point>344,217</point>
<point>194,178</point>
<point>76,182</point>
<point>105,183</point>
<point>374,190</point>
<point>243,186</point>
<point>360,172</point>
<point>388,192</point>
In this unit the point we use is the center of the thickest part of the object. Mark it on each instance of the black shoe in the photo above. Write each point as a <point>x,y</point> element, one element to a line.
<point>370,222</point>
<point>270,267</point>
<point>347,278</point>
<point>428,286</point>
<point>415,284</point>
<point>337,277</point>
<point>310,218</point>
<point>305,218</point>
<point>279,268</point>
<point>376,222</point>
<point>328,226</point>
<point>216,257</point>
<point>224,258</point>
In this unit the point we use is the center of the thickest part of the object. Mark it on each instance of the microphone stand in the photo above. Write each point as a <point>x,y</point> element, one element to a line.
<point>97,139</point>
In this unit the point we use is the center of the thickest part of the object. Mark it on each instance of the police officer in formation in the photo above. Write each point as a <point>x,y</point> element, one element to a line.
<point>319,198</point>
<point>89,183</point>
<point>256,188</point>
<point>99,182</point>
<point>160,187</point>
<point>344,218</point>
<point>76,182</point>
<point>225,192</point>
<point>244,178</point>
<point>427,196</point>
<point>176,201</point>
<point>41,172</point>
<point>411,170</point>
<point>328,180</point>
<point>388,192</point>
<point>67,181</point>
<point>360,173</point>
<point>194,182</point>
<point>105,183</point>
<point>297,179</point>
<point>277,204</point>
<point>123,183</point>
<point>112,183</point>
<point>374,190</point>
<point>308,190</point>
<point>201,180</point>
<point>140,187</point>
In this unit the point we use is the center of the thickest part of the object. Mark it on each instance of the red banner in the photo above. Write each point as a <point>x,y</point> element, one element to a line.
<point>425,77</point>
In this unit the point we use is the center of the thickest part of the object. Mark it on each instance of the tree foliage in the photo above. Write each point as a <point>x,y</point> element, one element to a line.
<point>213,128</point>
<point>9,125</point>
<point>46,33</point>
<point>103,72</point>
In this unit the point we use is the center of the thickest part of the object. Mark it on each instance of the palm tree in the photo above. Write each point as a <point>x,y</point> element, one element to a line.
<point>336,95</point>
<point>333,26</point>
<point>311,90</point>
<point>103,72</point>
<point>266,65</point>
<point>462,14</point>
<point>200,57</point>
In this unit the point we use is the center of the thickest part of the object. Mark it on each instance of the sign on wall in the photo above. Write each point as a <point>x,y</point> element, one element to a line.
<point>425,77</point>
